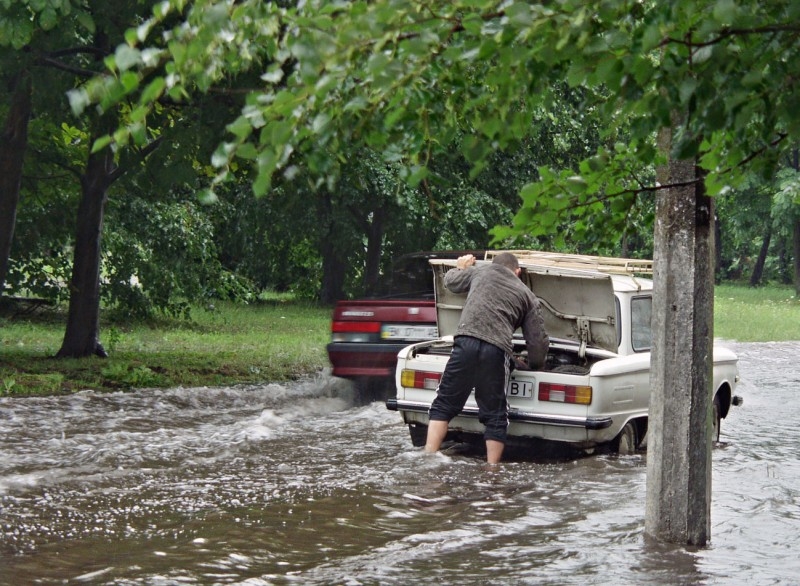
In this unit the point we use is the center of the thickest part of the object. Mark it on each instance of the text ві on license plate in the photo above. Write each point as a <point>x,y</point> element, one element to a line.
<point>519,388</point>
<point>401,332</point>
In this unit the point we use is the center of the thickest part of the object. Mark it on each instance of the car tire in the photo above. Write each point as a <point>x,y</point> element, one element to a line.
<point>717,421</point>
<point>419,434</point>
<point>626,443</point>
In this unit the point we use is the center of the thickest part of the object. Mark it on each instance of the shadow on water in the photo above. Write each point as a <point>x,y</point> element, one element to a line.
<point>312,483</point>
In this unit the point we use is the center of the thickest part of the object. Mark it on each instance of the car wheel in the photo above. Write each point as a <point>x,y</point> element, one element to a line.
<point>717,418</point>
<point>419,434</point>
<point>627,441</point>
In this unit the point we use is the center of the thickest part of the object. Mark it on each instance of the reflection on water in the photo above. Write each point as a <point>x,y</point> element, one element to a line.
<point>294,484</point>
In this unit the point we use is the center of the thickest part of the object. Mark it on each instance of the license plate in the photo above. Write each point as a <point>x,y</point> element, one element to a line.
<point>519,388</point>
<point>401,332</point>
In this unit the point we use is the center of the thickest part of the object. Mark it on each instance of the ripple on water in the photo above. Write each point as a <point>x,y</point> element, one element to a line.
<point>284,484</point>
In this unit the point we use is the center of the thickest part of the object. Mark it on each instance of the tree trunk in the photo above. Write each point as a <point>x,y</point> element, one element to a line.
<point>717,249</point>
<point>796,247</point>
<point>333,267</point>
<point>758,269</point>
<point>82,336</point>
<point>794,162</point>
<point>374,250</point>
<point>333,271</point>
<point>678,507</point>
<point>13,143</point>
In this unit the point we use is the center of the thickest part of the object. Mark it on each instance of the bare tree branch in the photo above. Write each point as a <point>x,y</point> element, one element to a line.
<point>55,63</point>
<point>727,33</point>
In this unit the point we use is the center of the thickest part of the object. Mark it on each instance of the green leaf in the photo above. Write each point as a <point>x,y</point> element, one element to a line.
<point>320,123</point>
<point>576,74</point>
<point>377,64</point>
<point>417,175</point>
<point>138,133</point>
<point>652,37</point>
<point>101,143</point>
<point>356,104</point>
<point>687,89</point>
<point>500,233</point>
<point>207,196</point>
<point>241,128</point>
<point>139,113</point>
<point>85,19</point>
<point>122,136</point>
<point>126,57</point>
<point>247,151</point>
<point>262,183</point>
<point>529,193</point>
<point>129,81</point>
<point>78,100</point>
<point>48,19</point>
<point>621,204</point>
<point>576,184</point>
<point>277,133</point>
<point>725,12</point>
<point>273,75</point>
<point>153,90</point>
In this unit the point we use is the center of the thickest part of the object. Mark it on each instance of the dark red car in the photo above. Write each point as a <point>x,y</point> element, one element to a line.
<point>367,334</point>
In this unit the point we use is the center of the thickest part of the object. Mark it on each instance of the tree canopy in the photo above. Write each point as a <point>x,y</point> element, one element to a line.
<point>406,78</point>
<point>471,103</point>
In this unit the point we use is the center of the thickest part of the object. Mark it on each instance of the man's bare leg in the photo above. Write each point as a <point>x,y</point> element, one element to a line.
<point>437,431</point>
<point>494,450</point>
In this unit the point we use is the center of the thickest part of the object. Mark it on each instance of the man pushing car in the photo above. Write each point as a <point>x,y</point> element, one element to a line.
<point>497,304</point>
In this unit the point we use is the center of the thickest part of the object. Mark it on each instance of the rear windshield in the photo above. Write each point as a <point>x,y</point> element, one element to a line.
<point>641,309</point>
<point>412,276</point>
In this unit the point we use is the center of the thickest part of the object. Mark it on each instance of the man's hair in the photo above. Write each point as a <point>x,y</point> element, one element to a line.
<point>507,260</point>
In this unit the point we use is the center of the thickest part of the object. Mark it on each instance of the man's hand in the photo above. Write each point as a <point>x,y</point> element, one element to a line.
<point>521,364</point>
<point>465,261</point>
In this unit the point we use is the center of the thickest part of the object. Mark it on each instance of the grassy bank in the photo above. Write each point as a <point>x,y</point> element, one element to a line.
<point>763,314</point>
<point>269,341</point>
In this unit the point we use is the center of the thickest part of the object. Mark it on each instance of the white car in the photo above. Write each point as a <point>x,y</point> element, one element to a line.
<point>595,387</point>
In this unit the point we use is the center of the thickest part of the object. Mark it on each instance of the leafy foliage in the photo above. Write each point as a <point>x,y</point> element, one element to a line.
<point>405,78</point>
<point>161,256</point>
<point>449,118</point>
<point>749,214</point>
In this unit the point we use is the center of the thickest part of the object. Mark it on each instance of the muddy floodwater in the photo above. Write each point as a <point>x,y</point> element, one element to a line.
<point>296,484</point>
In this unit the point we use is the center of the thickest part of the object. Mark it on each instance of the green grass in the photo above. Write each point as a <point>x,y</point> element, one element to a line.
<point>271,341</point>
<point>762,314</point>
<point>268,341</point>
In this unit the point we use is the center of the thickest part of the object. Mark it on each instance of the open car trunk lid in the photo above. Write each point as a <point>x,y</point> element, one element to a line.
<point>577,305</point>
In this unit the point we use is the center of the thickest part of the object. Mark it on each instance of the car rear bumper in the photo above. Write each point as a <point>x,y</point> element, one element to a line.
<point>356,359</point>
<point>588,423</point>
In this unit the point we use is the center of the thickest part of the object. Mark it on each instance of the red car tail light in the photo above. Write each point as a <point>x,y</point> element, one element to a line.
<point>363,327</point>
<point>419,379</point>
<point>355,331</point>
<point>579,394</point>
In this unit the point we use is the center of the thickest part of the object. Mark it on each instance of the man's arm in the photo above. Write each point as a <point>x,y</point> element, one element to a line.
<point>458,279</point>
<point>536,339</point>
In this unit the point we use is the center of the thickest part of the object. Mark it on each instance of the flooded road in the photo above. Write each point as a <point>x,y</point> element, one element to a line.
<point>295,485</point>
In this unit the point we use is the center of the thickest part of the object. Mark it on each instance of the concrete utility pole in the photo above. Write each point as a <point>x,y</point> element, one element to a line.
<point>679,434</point>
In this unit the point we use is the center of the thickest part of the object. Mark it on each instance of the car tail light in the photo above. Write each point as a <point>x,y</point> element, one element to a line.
<point>367,327</point>
<point>580,394</point>
<point>419,379</point>
<point>354,331</point>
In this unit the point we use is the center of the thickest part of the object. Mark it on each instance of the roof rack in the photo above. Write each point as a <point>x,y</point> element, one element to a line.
<point>604,264</point>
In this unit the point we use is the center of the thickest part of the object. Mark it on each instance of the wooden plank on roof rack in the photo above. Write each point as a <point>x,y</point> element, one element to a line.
<point>605,264</point>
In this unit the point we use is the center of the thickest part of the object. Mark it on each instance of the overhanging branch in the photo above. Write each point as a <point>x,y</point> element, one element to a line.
<point>727,33</point>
